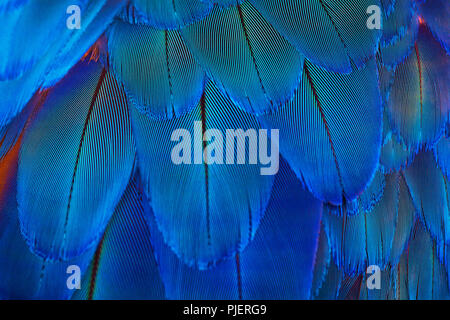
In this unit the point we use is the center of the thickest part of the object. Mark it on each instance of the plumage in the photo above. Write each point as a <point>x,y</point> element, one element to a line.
<point>277,264</point>
<point>366,237</point>
<point>442,155</point>
<point>206,211</point>
<point>169,14</point>
<point>25,275</point>
<point>395,155</point>
<point>229,46</point>
<point>341,25</point>
<point>323,131</point>
<point>418,103</point>
<point>159,73</point>
<point>426,276</point>
<point>436,13</point>
<point>224,149</point>
<point>428,187</point>
<point>30,63</point>
<point>74,163</point>
<point>397,22</point>
<point>400,48</point>
<point>124,266</point>
<point>97,15</point>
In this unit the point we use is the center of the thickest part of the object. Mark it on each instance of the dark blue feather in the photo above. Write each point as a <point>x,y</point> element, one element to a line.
<point>426,275</point>
<point>322,262</point>
<point>96,17</point>
<point>397,22</point>
<point>442,155</point>
<point>29,63</point>
<point>399,49</point>
<point>428,187</point>
<point>395,155</point>
<point>436,14</point>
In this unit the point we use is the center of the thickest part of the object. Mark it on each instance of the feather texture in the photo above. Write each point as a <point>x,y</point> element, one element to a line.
<point>230,46</point>
<point>169,14</point>
<point>442,155</point>
<point>30,63</point>
<point>330,132</point>
<point>418,104</point>
<point>75,163</point>
<point>428,187</point>
<point>157,70</point>
<point>436,13</point>
<point>124,266</point>
<point>398,50</point>
<point>206,211</point>
<point>426,276</point>
<point>365,238</point>
<point>277,264</point>
<point>26,276</point>
<point>337,24</point>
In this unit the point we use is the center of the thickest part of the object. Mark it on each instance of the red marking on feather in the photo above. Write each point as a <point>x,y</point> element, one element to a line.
<point>94,52</point>
<point>8,170</point>
<point>95,265</point>
<point>9,163</point>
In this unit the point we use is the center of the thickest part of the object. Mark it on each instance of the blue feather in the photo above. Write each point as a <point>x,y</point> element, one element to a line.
<point>168,14</point>
<point>25,275</point>
<point>373,193</point>
<point>387,287</point>
<point>436,14</point>
<point>418,103</point>
<point>97,15</point>
<point>258,72</point>
<point>159,73</point>
<point>398,50</point>
<point>330,132</point>
<point>124,266</point>
<point>18,51</point>
<point>404,224</point>
<point>331,283</point>
<point>330,33</point>
<point>75,163</point>
<point>387,6</point>
<point>365,238</point>
<point>322,262</point>
<point>40,61</point>
<point>396,23</point>
<point>395,155</point>
<point>428,187</point>
<point>277,264</point>
<point>205,212</point>
<point>10,134</point>
<point>426,275</point>
<point>8,5</point>
<point>442,155</point>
